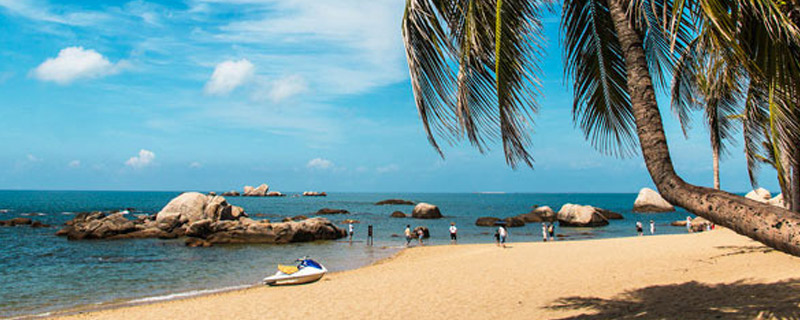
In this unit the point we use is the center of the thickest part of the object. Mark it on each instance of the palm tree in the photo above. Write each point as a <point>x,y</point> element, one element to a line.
<point>473,69</point>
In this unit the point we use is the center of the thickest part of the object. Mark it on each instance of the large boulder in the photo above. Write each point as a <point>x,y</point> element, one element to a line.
<point>539,214</point>
<point>513,222</point>
<point>573,215</point>
<point>259,191</point>
<point>314,194</point>
<point>426,211</point>
<point>285,232</point>
<point>649,200</point>
<point>778,201</point>
<point>486,221</point>
<point>760,195</point>
<point>610,215</point>
<point>97,225</point>
<point>394,201</point>
<point>16,222</point>
<point>232,193</point>
<point>187,208</point>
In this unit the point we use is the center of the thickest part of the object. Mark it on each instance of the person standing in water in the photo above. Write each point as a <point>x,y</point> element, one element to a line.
<point>408,235</point>
<point>639,229</point>
<point>350,230</point>
<point>420,235</point>
<point>503,233</point>
<point>544,232</point>
<point>369,235</point>
<point>688,224</point>
<point>652,227</point>
<point>453,235</point>
<point>551,229</point>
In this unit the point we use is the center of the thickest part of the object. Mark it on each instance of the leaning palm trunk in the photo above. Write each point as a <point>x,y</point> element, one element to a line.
<point>773,226</point>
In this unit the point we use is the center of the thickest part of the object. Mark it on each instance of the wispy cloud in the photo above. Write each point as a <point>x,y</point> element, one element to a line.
<point>74,164</point>
<point>319,163</point>
<point>143,159</point>
<point>73,63</point>
<point>195,165</point>
<point>32,158</point>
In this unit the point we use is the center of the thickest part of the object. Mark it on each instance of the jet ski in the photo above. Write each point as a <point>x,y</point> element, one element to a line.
<point>307,270</point>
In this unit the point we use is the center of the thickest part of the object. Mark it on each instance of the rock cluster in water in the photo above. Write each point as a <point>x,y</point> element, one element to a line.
<point>22,222</point>
<point>570,215</point>
<point>209,218</point>
<point>394,202</point>
<point>426,211</point>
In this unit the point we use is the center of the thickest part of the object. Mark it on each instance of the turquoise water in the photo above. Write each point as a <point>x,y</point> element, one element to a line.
<point>42,272</point>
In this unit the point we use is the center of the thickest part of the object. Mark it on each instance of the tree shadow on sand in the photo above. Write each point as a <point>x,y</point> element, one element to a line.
<point>693,300</point>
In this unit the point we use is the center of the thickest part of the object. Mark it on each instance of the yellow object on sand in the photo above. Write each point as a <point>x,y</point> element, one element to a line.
<point>287,269</point>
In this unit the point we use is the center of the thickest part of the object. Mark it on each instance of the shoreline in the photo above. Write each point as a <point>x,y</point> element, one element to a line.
<point>420,277</point>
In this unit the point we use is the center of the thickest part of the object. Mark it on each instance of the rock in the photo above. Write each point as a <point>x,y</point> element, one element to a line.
<point>260,215</point>
<point>426,211</point>
<point>486,221</point>
<point>610,215</point>
<point>187,207</point>
<point>314,194</point>
<point>394,235</point>
<point>679,223</point>
<point>649,200</point>
<point>213,207</point>
<point>398,214</point>
<point>37,224</point>
<point>212,193</point>
<point>332,211</point>
<point>247,189</point>
<point>259,191</point>
<point>299,218</point>
<point>394,202</point>
<point>16,222</point>
<point>97,225</point>
<point>760,195</point>
<point>778,201</point>
<point>513,222</point>
<point>425,232</point>
<point>197,242</point>
<point>573,215</point>
<point>200,228</point>
<point>232,193</point>
<point>231,213</point>
<point>286,232</point>
<point>539,214</point>
<point>275,194</point>
<point>347,221</point>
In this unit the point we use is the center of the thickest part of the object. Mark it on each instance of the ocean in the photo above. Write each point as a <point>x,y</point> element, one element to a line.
<point>43,273</point>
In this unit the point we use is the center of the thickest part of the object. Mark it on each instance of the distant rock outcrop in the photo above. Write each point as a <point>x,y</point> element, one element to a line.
<point>394,201</point>
<point>649,200</point>
<point>314,194</point>
<point>486,221</point>
<point>426,211</point>
<point>232,193</point>
<point>260,191</point>
<point>332,211</point>
<point>208,218</point>
<point>539,214</point>
<point>398,214</point>
<point>275,194</point>
<point>16,222</point>
<point>573,215</point>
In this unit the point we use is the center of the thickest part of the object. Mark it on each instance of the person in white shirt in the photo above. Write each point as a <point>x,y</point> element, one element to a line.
<point>544,232</point>
<point>639,228</point>
<point>408,235</point>
<point>503,235</point>
<point>453,235</point>
<point>350,230</point>
<point>688,224</point>
<point>652,227</point>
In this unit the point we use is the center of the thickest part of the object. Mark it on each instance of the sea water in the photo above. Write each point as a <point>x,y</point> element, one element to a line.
<point>41,272</point>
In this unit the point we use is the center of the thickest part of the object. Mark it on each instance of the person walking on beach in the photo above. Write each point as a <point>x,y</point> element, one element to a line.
<point>350,230</point>
<point>503,233</point>
<point>497,237</point>
<point>544,232</point>
<point>639,228</point>
<point>688,224</point>
<point>551,229</point>
<point>652,227</point>
<point>408,235</point>
<point>369,235</point>
<point>453,235</point>
<point>420,235</point>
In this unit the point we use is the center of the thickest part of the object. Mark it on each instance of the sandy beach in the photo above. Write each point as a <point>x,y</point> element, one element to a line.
<point>706,275</point>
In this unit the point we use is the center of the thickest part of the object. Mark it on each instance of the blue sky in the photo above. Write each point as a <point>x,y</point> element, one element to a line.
<point>302,95</point>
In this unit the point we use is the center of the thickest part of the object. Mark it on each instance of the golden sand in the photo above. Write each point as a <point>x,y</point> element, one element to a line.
<point>706,275</point>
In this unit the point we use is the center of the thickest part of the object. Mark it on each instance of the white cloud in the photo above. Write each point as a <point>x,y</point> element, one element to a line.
<point>144,159</point>
<point>286,87</point>
<point>319,163</point>
<point>74,63</point>
<point>36,10</point>
<point>74,164</point>
<point>33,158</point>
<point>229,75</point>
<point>195,165</point>
<point>388,168</point>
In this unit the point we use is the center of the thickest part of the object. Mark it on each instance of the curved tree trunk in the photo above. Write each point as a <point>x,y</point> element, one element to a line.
<point>773,226</point>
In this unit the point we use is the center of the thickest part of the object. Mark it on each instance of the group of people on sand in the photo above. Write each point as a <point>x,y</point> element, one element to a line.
<point>640,228</point>
<point>548,229</point>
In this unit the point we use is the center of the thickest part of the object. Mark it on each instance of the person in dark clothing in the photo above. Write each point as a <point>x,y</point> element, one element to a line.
<point>369,235</point>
